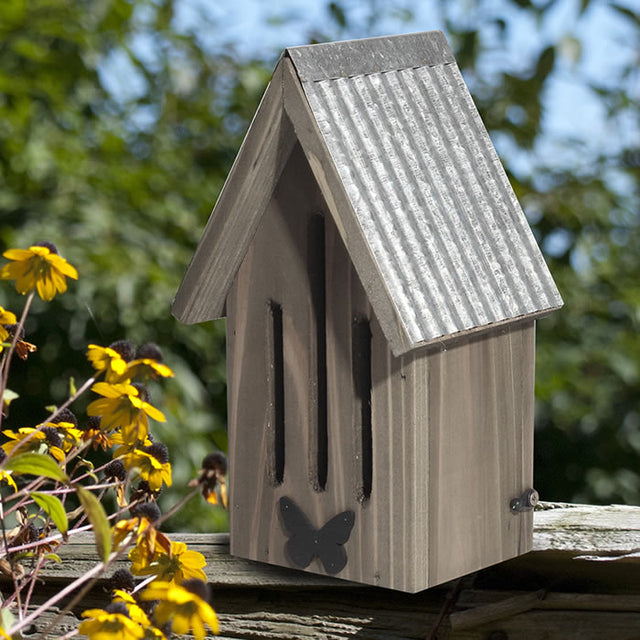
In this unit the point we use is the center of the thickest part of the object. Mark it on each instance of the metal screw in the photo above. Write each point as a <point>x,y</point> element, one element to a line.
<point>531,498</point>
<point>527,501</point>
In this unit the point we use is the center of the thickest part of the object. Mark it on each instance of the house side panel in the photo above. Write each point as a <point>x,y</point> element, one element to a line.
<point>271,333</point>
<point>481,451</point>
<point>295,293</point>
<point>401,464</point>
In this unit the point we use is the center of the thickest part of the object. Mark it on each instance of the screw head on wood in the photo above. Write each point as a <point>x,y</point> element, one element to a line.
<point>531,498</point>
<point>526,502</point>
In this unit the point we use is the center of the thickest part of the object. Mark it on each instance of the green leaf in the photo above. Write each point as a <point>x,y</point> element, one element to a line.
<point>53,508</point>
<point>72,386</point>
<point>53,556</point>
<point>7,619</point>
<point>98,519</point>
<point>36,464</point>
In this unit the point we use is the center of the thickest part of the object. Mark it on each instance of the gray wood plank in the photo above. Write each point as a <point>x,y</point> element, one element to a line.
<point>480,451</point>
<point>260,601</point>
<point>259,162</point>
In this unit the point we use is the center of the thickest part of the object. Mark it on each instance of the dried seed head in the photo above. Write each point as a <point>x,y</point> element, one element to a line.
<point>143,392</point>
<point>151,351</point>
<point>215,461</point>
<point>122,579</point>
<point>52,436</point>
<point>125,348</point>
<point>65,415</point>
<point>115,470</point>
<point>93,423</point>
<point>149,510</point>
<point>117,607</point>
<point>12,328</point>
<point>49,245</point>
<point>159,451</point>
<point>144,492</point>
<point>198,587</point>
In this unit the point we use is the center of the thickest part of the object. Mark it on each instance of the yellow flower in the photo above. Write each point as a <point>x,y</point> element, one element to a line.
<point>182,607</point>
<point>123,528</point>
<point>145,368</point>
<point>135,612</point>
<point>123,447</point>
<point>38,267</point>
<point>107,360</point>
<point>102,625</point>
<point>121,406</point>
<point>68,432</point>
<point>149,468</point>
<point>30,439</point>
<point>142,529</point>
<point>6,317</point>
<point>6,477</point>
<point>176,566</point>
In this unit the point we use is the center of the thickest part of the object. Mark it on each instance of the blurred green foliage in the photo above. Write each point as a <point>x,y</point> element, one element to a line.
<point>117,131</point>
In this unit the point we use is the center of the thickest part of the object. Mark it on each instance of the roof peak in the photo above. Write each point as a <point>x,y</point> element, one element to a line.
<point>370,55</point>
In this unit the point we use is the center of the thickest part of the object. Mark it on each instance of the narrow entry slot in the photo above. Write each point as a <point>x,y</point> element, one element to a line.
<point>276,348</point>
<point>361,362</point>
<point>316,269</point>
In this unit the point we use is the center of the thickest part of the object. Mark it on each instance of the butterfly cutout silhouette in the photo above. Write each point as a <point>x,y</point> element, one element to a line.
<point>306,542</point>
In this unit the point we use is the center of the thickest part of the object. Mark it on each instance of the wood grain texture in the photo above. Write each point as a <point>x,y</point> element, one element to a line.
<point>274,270</point>
<point>254,174</point>
<point>481,450</point>
<point>451,428</point>
<point>255,600</point>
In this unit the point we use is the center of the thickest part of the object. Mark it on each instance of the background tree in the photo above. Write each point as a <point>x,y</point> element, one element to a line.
<point>118,128</point>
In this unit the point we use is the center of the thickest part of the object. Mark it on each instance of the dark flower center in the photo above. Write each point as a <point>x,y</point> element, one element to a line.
<point>148,510</point>
<point>65,415</point>
<point>48,245</point>
<point>198,587</point>
<point>159,451</point>
<point>122,579</point>
<point>150,351</point>
<point>215,461</point>
<point>116,470</point>
<point>52,436</point>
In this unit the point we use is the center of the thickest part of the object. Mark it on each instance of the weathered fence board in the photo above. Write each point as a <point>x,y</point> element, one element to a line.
<point>581,581</point>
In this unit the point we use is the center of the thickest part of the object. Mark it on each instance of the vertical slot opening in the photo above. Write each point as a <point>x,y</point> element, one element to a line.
<point>277,390</point>
<point>361,359</point>
<point>316,270</point>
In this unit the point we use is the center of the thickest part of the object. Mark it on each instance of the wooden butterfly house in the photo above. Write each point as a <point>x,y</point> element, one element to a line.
<point>381,286</point>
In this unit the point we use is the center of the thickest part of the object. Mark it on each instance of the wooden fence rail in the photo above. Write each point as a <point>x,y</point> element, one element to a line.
<point>581,581</point>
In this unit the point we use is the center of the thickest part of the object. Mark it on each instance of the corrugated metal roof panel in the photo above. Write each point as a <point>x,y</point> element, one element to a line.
<point>432,198</point>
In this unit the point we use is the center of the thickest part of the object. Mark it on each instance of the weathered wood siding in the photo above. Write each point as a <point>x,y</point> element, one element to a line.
<point>427,449</point>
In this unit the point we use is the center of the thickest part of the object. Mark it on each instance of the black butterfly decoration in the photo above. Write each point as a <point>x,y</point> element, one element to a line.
<point>306,542</point>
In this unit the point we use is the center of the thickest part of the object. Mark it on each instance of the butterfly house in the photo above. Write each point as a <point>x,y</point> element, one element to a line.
<point>381,286</point>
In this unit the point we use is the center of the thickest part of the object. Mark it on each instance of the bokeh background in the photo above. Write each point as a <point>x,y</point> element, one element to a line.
<point>119,121</point>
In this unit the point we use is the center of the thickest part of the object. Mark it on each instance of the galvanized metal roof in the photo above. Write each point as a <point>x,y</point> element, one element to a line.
<point>430,194</point>
<point>420,197</point>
